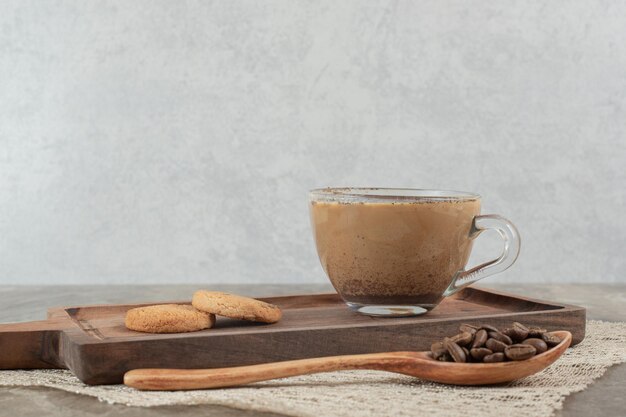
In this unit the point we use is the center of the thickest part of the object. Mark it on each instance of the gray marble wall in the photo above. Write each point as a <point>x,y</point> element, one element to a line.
<point>174,141</point>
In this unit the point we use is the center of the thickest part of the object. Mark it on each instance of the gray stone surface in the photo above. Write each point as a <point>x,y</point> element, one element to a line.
<point>160,141</point>
<point>604,397</point>
<point>37,402</point>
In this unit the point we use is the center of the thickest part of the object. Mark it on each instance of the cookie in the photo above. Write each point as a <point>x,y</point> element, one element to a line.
<point>168,318</point>
<point>235,306</point>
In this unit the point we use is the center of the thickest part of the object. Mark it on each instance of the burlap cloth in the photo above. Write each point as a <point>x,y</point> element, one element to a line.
<point>371,393</point>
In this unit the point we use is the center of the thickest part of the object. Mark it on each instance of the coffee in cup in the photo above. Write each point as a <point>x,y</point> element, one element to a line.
<point>395,252</point>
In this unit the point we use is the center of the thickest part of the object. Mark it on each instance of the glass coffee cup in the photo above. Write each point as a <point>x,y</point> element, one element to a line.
<point>400,251</point>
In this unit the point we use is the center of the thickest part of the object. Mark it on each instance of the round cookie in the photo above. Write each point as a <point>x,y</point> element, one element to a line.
<point>168,318</point>
<point>235,306</point>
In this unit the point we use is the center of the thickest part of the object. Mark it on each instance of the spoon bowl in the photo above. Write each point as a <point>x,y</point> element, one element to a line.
<point>423,366</point>
<point>417,364</point>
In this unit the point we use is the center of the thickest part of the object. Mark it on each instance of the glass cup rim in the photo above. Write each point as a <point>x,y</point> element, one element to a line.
<point>382,194</point>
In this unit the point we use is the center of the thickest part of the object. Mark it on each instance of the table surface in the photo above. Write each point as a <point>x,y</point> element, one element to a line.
<point>20,303</point>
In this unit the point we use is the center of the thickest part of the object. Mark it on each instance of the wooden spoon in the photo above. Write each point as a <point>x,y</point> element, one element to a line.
<point>418,364</point>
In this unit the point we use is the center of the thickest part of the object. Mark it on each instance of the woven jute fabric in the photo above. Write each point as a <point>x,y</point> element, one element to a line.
<point>373,393</point>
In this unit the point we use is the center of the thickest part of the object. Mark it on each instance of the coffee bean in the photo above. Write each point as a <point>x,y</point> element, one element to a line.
<point>536,332</point>
<point>551,339</point>
<point>501,337</point>
<point>494,357</point>
<point>520,326</point>
<point>519,352</point>
<point>467,353</point>
<point>437,350</point>
<point>480,338</point>
<point>489,328</point>
<point>495,345</point>
<point>479,353</point>
<point>469,328</point>
<point>538,344</point>
<point>516,333</point>
<point>462,339</point>
<point>454,350</point>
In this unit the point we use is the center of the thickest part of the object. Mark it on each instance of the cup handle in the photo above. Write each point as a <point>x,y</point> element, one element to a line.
<point>511,238</point>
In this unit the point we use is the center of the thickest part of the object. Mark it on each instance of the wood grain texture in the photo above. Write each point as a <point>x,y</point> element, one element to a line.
<point>31,345</point>
<point>93,342</point>
<point>417,364</point>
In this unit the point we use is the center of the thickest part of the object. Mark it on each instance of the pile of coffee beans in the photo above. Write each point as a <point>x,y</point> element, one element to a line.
<point>487,344</point>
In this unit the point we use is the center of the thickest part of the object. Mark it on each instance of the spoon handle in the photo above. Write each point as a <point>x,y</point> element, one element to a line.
<point>185,379</point>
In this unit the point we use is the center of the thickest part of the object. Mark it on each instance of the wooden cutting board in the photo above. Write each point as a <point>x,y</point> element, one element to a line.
<point>93,343</point>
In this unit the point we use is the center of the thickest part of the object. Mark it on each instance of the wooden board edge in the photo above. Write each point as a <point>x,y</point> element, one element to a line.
<point>524,298</point>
